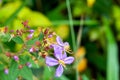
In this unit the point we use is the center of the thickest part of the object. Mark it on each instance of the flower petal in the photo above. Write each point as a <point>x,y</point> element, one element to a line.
<point>69,60</point>
<point>59,41</point>
<point>58,51</point>
<point>64,55</point>
<point>51,61</point>
<point>59,71</point>
<point>66,44</point>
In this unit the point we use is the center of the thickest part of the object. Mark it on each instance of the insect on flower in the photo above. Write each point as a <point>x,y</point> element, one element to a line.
<point>61,60</point>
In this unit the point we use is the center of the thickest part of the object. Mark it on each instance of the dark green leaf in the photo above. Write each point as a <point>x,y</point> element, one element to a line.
<point>18,40</point>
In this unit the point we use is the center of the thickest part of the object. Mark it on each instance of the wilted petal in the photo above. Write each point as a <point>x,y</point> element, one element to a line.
<point>69,60</point>
<point>58,51</point>
<point>51,61</point>
<point>59,71</point>
<point>59,41</point>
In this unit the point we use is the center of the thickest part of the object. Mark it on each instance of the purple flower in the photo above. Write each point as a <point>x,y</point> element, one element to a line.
<point>6,71</point>
<point>61,60</point>
<point>64,45</point>
<point>16,58</point>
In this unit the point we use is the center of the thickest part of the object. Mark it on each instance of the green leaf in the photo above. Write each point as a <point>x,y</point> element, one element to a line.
<point>3,76</point>
<point>62,78</point>
<point>1,67</point>
<point>26,73</point>
<point>18,40</point>
<point>41,36</point>
<point>13,71</point>
<point>32,41</point>
<point>5,37</point>
<point>84,77</point>
<point>47,74</point>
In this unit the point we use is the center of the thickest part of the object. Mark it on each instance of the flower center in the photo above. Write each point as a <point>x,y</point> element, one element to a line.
<point>67,47</point>
<point>62,63</point>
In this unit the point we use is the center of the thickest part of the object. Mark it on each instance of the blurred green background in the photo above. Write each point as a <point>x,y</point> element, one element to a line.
<point>100,33</point>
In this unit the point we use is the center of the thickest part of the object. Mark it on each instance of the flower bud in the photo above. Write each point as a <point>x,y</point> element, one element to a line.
<point>30,36</point>
<point>31,31</point>
<point>16,58</point>
<point>25,23</point>
<point>37,43</point>
<point>6,71</point>
<point>20,66</point>
<point>8,54</point>
<point>32,49</point>
<point>29,64</point>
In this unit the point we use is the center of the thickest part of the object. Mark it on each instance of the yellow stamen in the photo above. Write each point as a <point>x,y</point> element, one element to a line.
<point>62,63</point>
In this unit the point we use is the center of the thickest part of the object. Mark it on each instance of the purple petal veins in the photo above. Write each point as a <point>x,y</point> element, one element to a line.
<point>58,52</point>
<point>51,61</point>
<point>59,71</point>
<point>59,41</point>
<point>68,60</point>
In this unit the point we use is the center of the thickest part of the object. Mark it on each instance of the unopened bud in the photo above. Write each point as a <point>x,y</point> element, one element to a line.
<point>20,66</point>
<point>46,31</point>
<point>37,43</point>
<point>8,54</point>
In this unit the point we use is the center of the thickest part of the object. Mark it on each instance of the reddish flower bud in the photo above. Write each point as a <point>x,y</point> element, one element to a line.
<point>5,29</point>
<point>25,23</point>
<point>46,48</point>
<point>43,55</point>
<point>46,31</point>
<point>37,43</point>
<point>8,54</point>
<point>20,66</point>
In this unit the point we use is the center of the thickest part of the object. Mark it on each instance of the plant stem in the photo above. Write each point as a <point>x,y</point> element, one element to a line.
<point>71,25</point>
<point>72,32</point>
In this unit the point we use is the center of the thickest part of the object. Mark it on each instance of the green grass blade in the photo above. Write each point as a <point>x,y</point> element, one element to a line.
<point>112,54</point>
